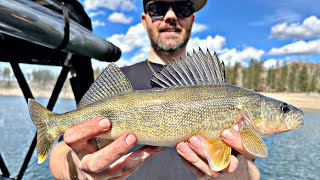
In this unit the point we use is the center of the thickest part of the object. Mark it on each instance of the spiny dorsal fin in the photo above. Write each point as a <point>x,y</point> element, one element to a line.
<point>111,82</point>
<point>198,69</point>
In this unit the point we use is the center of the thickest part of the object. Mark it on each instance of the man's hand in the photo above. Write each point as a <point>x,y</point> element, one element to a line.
<point>233,139</point>
<point>86,161</point>
<point>195,159</point>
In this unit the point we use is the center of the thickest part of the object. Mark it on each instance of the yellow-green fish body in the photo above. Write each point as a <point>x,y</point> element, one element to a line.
<point>194,100</point>
<point>164,117</point>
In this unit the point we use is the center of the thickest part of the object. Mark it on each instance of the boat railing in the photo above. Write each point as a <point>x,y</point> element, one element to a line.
<point>49,32</point>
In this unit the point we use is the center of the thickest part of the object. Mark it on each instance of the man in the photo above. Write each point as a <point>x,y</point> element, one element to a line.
<point>169,24</point>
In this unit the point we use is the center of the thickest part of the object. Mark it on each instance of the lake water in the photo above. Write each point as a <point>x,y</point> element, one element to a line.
<point>292,155</point>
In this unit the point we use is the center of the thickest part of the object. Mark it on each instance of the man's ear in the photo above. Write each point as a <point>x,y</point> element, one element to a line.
<point>143,20</point>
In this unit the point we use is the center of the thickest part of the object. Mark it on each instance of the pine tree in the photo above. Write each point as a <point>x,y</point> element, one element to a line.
<point>312,84</point>
<point>269,79</point>
<point>303,79</point>
<point>258,77</point>
<point>43,77</point>
<point>235,74</point>
<point>245,78</point>
<point>6,73</point>
<point>277,77</point>
<point>250,75</point>
<point>283,77</point>
<point>229,73</point>
<point>292,84</point>
<point>96,72</point>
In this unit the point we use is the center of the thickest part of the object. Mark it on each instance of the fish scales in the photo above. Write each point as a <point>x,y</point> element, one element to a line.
<point>165,117</point>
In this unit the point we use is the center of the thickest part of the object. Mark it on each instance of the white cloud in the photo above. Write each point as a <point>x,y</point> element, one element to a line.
<point>213,44</point>
<point>136,40</point>
<point>127,5</point>
<point>231,56</point>
<point>124,5</point>
<point>196,28</point>
<point>139,56</point>
<point>97,13</point>
<point>296,6</point>
<point>136,37</point>
<point>99,64</point>
<point>300,47</point>
<point>310,28</point>
<point>120,18</point>
<point>270,63</point>
<point>98,23</point>
<point>280,15</point>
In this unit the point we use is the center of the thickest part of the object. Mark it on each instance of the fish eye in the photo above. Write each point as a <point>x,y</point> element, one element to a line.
<point>285,107</point>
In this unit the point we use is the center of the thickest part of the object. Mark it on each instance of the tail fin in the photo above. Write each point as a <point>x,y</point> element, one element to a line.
<point>40,118</point>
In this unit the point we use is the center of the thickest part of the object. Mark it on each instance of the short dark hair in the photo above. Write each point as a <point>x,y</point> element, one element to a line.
<point>144,4</point>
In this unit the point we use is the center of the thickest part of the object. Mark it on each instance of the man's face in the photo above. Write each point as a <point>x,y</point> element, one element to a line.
<point>168,33</point>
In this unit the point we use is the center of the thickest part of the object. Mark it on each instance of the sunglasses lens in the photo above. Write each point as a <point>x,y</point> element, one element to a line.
<point>183,10</point>
<point>159,9</point>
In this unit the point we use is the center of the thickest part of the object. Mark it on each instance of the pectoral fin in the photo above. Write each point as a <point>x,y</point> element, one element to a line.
<point>218,154</point>
<point>253,142</point>
<point>103,142</point>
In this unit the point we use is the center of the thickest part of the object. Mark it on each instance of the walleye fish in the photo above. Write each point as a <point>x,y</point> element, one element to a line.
<point>192,98</point>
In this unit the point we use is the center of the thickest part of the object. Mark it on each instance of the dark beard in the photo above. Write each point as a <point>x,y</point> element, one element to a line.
<point>162,48</point>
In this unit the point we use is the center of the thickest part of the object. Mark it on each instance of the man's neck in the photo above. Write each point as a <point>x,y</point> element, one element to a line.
<point>164,58</point>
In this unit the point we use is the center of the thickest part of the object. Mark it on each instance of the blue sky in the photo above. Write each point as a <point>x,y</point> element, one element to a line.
<point>237,30</point>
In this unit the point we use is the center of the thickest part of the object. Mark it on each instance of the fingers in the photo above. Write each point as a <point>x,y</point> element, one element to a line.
<point>100,160</point>
<point>193,153</point>
<point>80,136</point>
<point>129,163</point>
<point>202,176</point>
<point>86,130</point>
<point>195,143</point>
<point>188,154</point>
<point>233,139</point>
<point>234,162</point>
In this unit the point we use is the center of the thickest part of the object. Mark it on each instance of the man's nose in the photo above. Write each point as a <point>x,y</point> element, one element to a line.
<point>170,15</point>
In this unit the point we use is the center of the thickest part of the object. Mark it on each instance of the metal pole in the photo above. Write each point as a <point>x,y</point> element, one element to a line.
<point>27,94</point>
<point>4,168</point>
<point>34,23</point>
<point>57,88</point>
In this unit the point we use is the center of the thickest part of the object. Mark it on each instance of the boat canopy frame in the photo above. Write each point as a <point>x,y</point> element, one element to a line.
<point>50,32</point>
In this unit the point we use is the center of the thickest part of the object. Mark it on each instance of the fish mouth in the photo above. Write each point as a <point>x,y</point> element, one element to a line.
<point>295,121</point>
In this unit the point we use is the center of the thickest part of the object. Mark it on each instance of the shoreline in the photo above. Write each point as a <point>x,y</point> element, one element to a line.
<point>37,91</point>
<point>309,102</point>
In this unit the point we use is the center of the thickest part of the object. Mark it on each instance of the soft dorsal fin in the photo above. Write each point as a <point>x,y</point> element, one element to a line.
<point>198,69</point>
<point>111,82</point>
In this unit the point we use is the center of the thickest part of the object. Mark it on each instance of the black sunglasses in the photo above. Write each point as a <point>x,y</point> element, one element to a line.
<point>158,9</point>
